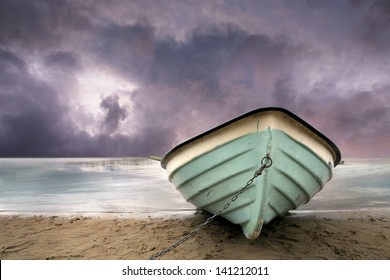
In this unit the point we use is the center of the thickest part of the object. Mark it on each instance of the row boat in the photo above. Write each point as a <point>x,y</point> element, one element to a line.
<point>209,169</point>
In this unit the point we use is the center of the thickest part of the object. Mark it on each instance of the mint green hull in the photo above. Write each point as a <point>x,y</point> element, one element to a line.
<point>211,179</point>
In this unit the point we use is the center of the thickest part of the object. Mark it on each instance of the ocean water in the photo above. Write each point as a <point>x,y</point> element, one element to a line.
<point>359,184</point>
<point>139,186</point>
<point>87,186</point>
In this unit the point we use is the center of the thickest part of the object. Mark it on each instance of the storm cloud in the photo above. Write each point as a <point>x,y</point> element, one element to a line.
<point>134,78</point>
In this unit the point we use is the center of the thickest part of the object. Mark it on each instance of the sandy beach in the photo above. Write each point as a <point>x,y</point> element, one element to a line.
<point>337,236</point>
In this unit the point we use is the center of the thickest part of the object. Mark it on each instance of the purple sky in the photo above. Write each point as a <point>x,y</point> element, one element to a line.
<point>134,78</point>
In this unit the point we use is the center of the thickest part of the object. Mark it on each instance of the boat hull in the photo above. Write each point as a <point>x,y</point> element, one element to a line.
<point>210,179</point>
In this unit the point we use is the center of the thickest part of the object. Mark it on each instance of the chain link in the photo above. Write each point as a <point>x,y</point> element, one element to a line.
<point>266,162</point>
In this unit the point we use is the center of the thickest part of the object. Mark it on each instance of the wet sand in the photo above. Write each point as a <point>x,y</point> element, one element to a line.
<point>340,236</point>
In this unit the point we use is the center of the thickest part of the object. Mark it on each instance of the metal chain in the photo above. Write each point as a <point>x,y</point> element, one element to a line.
<point>266,162</point>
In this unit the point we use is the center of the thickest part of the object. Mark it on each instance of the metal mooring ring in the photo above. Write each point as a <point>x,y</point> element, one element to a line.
<point>263,161</point>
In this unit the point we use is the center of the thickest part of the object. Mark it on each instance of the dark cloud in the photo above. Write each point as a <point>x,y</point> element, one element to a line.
<point>139,52</point>
<point>62,59</point>
<point>114,113</point>
<point>201,57</point>
<point>129,49</point>
<point>363,121</point>
<point>10,66</point>
<point>256,68</point>
<point>30,113</point>
<point>23,22</point>
<point>375,27</point>
<point>40,24</point>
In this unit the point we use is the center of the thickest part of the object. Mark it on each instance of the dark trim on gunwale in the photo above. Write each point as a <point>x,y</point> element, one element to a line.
<point>260,110</point>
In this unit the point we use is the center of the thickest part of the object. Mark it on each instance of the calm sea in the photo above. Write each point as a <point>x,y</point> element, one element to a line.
<point>138,186</point>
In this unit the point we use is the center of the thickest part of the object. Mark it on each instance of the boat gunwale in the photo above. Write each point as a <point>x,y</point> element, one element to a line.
<point>246,115</point>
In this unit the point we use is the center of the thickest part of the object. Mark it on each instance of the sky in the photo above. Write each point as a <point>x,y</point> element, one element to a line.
<point>98,78</point>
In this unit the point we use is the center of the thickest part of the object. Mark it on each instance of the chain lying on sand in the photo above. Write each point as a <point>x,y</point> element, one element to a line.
<point>266,162</point>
